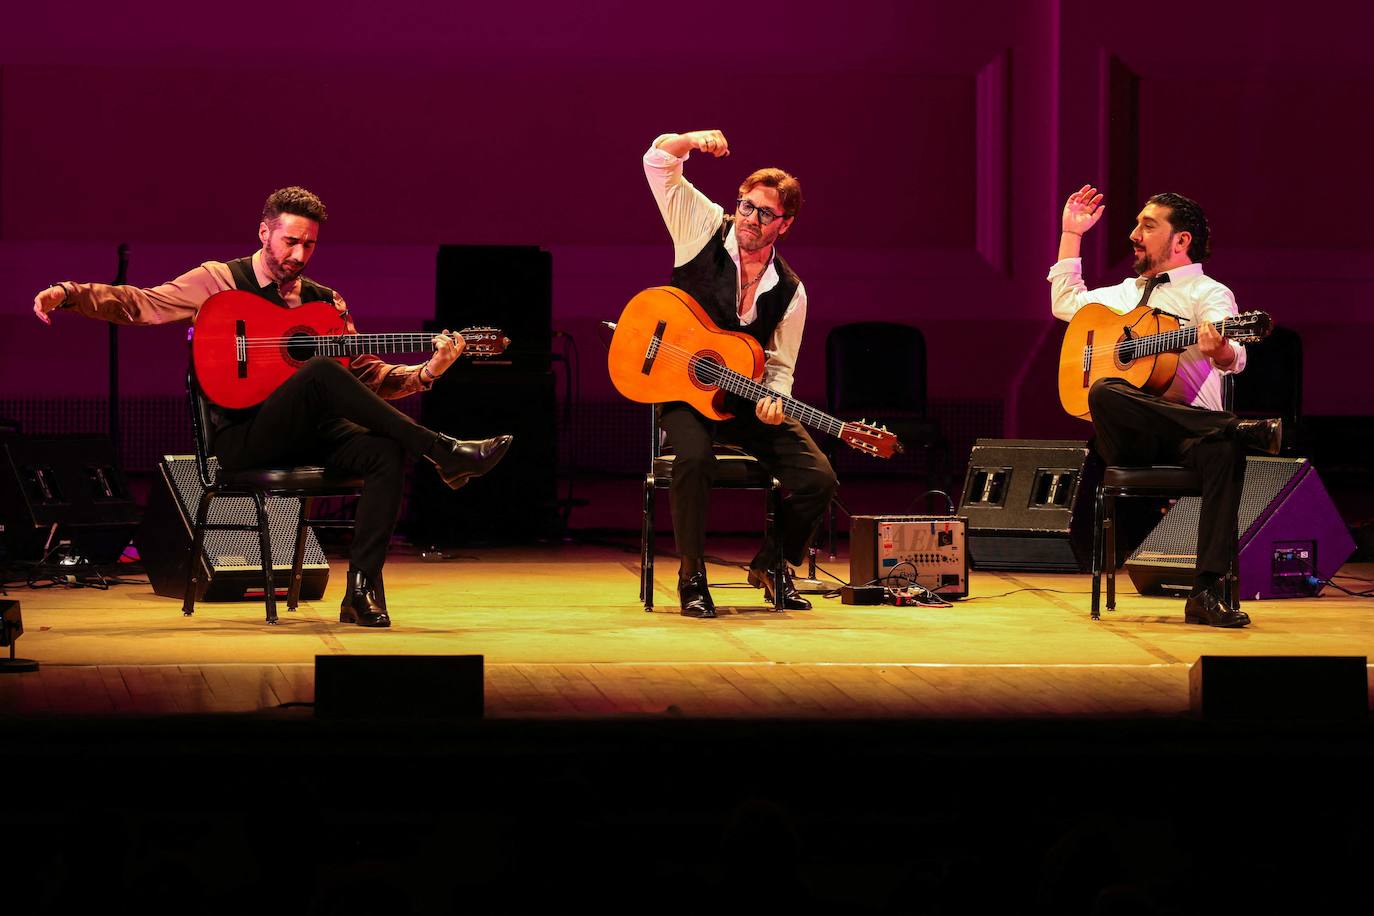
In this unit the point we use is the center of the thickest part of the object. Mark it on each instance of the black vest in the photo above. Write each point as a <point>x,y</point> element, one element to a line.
<point>712,279</point>
<point>241,270</point>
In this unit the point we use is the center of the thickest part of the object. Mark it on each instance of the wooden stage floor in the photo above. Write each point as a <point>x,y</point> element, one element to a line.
<point>564,636</point>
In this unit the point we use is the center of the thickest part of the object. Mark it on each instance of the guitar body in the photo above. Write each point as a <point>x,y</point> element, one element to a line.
<point>686,335</point>
<point>237,377</point>
<point>1105,332</point>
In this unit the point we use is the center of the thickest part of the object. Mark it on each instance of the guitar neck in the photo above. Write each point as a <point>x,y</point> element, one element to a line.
<point>1176,339</point>
<point>358,344</point>
<point>754,392</point>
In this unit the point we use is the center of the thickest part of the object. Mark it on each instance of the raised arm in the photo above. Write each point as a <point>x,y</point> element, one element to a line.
<point>690,216</point>
<point>1081,212</point>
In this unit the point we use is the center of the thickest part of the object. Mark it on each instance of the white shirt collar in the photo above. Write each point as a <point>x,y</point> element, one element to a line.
<point>1176,275</point>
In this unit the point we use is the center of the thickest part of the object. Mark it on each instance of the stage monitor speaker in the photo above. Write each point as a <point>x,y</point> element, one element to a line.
<point>897,550</point>
<point>1290,533</point>
<point>1312,688</point>
<point>1029,504</point>
<point>231,562</point>
<point>399,687</point>
<point>517,500</point>
<point>71,482</point>
<point>504,286</point>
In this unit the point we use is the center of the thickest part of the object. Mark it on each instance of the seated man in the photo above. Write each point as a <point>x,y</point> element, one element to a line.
<point>324,414</point>
<point>1186,425</point>
<point>730,266</point>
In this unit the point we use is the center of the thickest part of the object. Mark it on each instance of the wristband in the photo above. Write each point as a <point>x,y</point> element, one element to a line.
<point>65,303</point>
<point>425,374</point>
<point>1071,232</point>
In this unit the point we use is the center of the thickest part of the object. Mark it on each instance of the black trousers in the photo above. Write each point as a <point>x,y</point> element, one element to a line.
<point>786,451</point>
<point>323,415</point>
<point>1138,428</point>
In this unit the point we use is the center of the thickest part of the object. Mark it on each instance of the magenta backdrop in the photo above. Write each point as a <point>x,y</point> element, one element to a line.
<point>936,143</point>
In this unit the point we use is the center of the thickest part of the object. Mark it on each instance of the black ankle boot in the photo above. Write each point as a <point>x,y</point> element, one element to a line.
<point>460,460</point>
<point>692,592</point>
<point>1263,436</point>
<point>360,603</point>
<point>791,598</point>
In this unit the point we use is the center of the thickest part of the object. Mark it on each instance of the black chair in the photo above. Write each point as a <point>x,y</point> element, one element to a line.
<point>1157,481</point>
<point>302,483</point>
<point>876,370</point>
<point>735,471</point>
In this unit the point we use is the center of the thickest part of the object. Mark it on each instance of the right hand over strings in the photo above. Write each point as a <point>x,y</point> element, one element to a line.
<point>47,301</point>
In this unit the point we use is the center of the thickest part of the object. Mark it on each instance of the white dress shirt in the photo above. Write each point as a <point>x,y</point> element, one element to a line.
<point>1190,294</point>
<point>692,218</point>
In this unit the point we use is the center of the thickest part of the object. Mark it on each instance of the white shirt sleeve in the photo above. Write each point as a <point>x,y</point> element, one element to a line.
<point>690,215</point>
<point>1068,292</point>
<point>785,344</point>
<point>1221,304</point>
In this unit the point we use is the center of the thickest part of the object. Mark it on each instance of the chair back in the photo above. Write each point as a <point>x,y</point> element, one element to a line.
<point>200,426</point>
<point>875,364</point>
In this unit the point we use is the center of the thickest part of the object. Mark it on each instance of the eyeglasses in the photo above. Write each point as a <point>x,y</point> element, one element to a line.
<point>747,209</point>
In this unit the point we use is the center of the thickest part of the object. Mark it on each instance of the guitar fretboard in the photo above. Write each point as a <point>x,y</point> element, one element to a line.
<point>1154,344</point>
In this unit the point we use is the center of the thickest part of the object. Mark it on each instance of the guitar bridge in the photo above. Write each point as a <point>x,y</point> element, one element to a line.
<point>655,342</point>
<point>241,348</point>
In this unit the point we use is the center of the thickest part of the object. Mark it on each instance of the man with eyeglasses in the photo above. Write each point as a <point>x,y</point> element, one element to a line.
<point>730,265</point>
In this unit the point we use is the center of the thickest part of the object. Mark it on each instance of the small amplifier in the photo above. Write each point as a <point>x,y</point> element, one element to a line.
<point>899,550</point>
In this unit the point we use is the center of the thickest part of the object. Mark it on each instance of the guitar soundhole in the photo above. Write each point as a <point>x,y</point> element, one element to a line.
<point>704,368</point>
<point>299,345</point>
<point>1125,352</point>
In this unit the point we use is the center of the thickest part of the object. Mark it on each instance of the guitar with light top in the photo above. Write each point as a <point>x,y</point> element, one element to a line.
<point>244,346</point>
<point>1141,346</point>
<point>666,348</point>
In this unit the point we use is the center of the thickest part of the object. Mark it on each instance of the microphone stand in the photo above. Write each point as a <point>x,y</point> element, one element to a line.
<point>121,278</point>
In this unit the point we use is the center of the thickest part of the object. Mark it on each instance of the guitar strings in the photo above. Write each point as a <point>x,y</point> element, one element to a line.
<point>1165,341</point>
<point>721,375</point>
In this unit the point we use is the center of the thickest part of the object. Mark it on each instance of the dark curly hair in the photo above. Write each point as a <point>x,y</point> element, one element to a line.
<point>294,200</point>
<point>1185,215</point>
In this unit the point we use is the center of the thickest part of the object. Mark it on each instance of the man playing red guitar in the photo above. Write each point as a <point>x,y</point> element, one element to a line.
<point>730,266</point>
<point>325,413</point>
<point>1186,425</point>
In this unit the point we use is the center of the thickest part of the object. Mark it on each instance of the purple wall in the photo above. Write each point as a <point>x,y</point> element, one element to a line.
<point>935,143</point>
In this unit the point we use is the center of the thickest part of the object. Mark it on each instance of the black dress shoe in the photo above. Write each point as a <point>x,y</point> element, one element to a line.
<point>1206,607</point>
<point>791,598</point>
<point>695,597</point>
<point>460,460</point>
<point>1264,436</point>
<point>360,603</point>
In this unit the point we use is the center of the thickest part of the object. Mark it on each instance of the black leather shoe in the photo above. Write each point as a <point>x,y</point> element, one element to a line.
<point>1265,436</point>
<point>360,604</point>
<point>1206,607</point>
<point>460,460</point>
<point>695,597</point>
<point>791,598</point>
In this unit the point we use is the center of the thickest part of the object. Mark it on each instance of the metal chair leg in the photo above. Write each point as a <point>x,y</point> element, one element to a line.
<point>1109,543</point>
<point>265,554</point>
<point>293,594</point>
<point>646,548</point>
<point>188,601</point>
<point>773,527</point>
<point>1097,556</point>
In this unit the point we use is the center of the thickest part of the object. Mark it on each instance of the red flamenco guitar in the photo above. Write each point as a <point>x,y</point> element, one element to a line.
<point>665,348</point>
<point>244,346</point>
<point>1141,346</point>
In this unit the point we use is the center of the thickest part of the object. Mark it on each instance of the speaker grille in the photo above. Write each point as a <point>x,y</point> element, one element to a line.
<point>1174,540</point>
<point>232,550</point>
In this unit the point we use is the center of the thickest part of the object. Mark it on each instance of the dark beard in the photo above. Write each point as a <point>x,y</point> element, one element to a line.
<point>275,270</point>
<point>1143,263</point>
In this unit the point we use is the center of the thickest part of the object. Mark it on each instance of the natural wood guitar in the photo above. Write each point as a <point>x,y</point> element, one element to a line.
<point>666,348</point>
<point>243,346</point>
<point>1141,346</point>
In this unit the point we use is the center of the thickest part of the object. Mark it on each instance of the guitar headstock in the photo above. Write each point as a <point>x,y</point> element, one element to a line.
<point>871,439</point>
<point>484,342</point>
<point>1249,327</point>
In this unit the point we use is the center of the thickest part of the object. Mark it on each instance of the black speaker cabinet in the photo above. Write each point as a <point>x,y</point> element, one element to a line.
<point>517,500</point>
<point>1289,532</point>
<point>71,482</point>
<point>505,286</point>
<point>231,561</point>
<point>1029,504</point>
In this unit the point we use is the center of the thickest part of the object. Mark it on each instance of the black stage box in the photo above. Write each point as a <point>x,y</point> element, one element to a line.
<point>1029,504</point>
<point>1290,532</point>
<point>1304,688</point>
<point>517,500</point>
<point>504,286</point>
<point>72,482</point>
<point>231,562</point>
